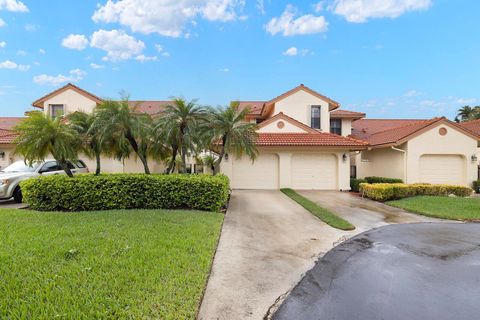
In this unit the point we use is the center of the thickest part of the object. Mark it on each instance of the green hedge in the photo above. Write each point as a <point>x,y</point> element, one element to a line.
<point>355,184</point>
<point>476,186</point>
<point>382,180</point>
<point>392,191</point>
<point>126,191</point>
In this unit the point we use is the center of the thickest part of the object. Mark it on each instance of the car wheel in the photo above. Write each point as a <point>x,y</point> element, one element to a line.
<point>17,195</point>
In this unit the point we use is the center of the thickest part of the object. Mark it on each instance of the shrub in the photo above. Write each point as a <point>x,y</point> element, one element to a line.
<point>391,191</point>
<point>382,180</point>
<point>476,186</point>
<point>355,184</point>
<point>126,191</point>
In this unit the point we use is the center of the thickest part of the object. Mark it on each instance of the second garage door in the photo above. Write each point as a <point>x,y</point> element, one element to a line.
<point>314,172</point>
<point>261,174</point>
<point>442,168</point>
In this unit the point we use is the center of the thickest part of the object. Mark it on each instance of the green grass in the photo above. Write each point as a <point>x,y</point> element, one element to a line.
<point>323,214</point>
<point>467,209</point>
<point>151,264</point>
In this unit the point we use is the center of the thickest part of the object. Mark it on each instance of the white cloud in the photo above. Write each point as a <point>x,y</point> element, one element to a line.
<point>42,51</point>
<point>289,25</point>
<point>96,66</point>
<point>292,51</point>
<point>224,70</point>
<point>412,93</point>
<point>21,53</point>
<point>2,23</point>
<point>31,27</point>
<point>261,6</point>
<point>117,44</point>
<point>161,50</point>
<point>144,58</point>
<point>75,41</point>
<point>13,6</point>
<point>8,64</point>
<point>319,6</point>
<point>167,18</point>
<point>73,76</point>
<point>360,11</point>
<point>3,44</point>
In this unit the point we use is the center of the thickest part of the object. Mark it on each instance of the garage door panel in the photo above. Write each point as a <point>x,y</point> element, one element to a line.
<point>261,174</point>
<point>314,172</point>
<point>442,169</point>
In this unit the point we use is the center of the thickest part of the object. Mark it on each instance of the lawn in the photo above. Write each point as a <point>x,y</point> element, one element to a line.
<point>151,264</point>
<point>323,214</point>
<point>442,207</point>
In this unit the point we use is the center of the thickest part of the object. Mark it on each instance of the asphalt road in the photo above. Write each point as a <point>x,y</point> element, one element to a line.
<point>415,271</point>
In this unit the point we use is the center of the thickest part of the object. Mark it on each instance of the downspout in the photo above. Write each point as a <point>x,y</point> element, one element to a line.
<point>404,162</point>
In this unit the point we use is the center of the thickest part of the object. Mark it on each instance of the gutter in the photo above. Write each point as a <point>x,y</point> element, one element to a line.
<point>404,162</point>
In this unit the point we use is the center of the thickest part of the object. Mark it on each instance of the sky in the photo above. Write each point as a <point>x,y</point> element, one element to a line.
<point>387,58</point>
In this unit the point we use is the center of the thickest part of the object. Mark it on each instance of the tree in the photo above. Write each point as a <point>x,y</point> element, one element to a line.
<point>117,122</point>
<point>179,125</point>
<point>39,136</point>
<point>83,124</point>
<point>468,113</point>
<point>234,135</point>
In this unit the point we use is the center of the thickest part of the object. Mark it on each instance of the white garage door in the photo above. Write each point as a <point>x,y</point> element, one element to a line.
<point>261,174</point>
<point>444,169</point>
<point>314,172</point>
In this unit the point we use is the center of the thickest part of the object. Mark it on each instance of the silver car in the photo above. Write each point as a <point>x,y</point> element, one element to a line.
<point>11,176</point>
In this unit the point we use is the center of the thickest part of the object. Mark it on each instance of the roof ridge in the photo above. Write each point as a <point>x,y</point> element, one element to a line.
<point>407,125</point>
<point>290,119</point>
<point>59,90</point>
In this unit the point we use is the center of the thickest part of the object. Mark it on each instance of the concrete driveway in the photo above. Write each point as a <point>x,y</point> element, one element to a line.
<point>416,271</point>
<point>11,204</point>
<point>364,214</point>
<point>268,242</point>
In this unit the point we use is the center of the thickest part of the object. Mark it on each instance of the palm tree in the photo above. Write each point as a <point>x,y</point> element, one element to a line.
<point>179,126</point>
<point>117,121</point>
<point>232,132</point>
<point>83,123</point>
<point>40,135</point>
<point>466,113</point>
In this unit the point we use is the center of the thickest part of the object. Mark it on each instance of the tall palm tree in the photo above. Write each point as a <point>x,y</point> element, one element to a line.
<point>179,126</point>
<point>117,121</point>
<point>83,123</point>
<point>39,135</point>
<point>466,113</point>
<point>232,132</point>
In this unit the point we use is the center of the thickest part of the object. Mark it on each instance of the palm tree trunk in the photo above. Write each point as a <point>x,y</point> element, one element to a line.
<point>220,158</point>
<point>171,165</point>
<point>184,159</point>
<point>98,168</point>
<point>65,167</point>
<point>140,155</point>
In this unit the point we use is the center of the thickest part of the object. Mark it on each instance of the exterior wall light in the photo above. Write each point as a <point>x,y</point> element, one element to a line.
<point>344,157</point>
<point>2,155</point>
<point>226,156</point>
<point>474,158</point>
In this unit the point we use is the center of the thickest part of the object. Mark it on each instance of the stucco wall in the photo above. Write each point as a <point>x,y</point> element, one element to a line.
<point>285,161</point>
<point>9,157</point>
<point>287,127</point>
<point>346,127</point>
<point>72,101</point>
<point>384,162</point>
<point>432,143</point>
<point>298,106</point>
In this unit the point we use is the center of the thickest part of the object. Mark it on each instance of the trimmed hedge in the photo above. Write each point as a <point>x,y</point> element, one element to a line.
<point>476,186</point>
<point>126,191</point>
<point>382,180</point>
<point>355,184</point>
<point>392,191</point>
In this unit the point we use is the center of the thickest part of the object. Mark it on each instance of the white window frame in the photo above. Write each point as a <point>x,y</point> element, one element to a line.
<point>53,106</point>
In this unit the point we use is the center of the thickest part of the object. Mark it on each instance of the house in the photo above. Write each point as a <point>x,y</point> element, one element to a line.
<point>305,141</point>
<point>432,151</point>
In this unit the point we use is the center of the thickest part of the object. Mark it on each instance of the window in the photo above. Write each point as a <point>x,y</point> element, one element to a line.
<point>315,117</point>
<point>56,110</point>
<point>50,167</point>
<point>336,126</point>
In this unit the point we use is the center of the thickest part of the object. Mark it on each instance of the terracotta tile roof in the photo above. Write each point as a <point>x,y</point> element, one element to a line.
<point>346,114</point>
<point>39,102</point>
<point>8,123</point>
<point>7,136</point>
<point>473,126</point>
<point>283,116</point>
<point>400,134</point>
<point>256,107</point>
<point>150,107</point>
<point>319,139</point>
<point>364,128</point>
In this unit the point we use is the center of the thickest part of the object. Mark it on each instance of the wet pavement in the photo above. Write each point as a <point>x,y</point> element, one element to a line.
<point>414,271</point>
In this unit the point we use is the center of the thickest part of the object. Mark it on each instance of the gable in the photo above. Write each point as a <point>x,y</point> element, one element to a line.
<point>443,136</point>
<point>281,126</point>
<point>40,103</point>
<point>72,101</point>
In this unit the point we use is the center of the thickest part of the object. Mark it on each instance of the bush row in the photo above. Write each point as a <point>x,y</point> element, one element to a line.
<point>355,183</point>
<point>476,186</point>
<point>391,191</point>
<point>126,191</point>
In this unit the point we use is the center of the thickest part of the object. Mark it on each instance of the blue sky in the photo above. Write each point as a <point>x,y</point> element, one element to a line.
<point>400,59</point>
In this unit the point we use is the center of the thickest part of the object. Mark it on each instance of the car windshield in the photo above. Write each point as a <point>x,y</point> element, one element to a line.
<point>20,166</point>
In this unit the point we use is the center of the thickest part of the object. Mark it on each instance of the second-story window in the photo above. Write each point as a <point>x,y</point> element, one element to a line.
<point>315,117</point>
<point>56,110</point>
<point>336,126</point>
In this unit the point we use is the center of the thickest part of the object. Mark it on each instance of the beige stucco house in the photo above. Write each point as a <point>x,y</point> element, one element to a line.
<point>306,141</point>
